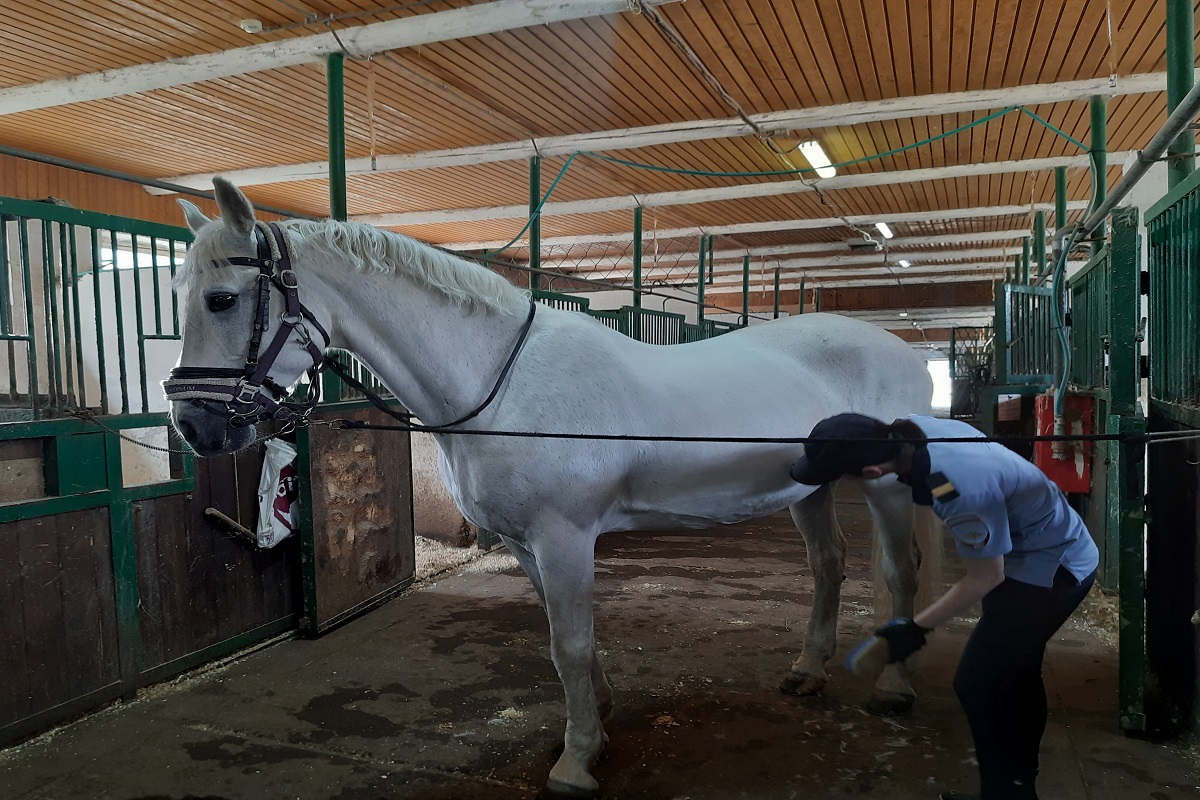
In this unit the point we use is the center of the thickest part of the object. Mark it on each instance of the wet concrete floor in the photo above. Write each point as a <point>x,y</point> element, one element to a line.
<point>448,693</point>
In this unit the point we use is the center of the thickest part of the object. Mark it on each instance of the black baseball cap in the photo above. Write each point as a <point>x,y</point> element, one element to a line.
<point>824,462</point>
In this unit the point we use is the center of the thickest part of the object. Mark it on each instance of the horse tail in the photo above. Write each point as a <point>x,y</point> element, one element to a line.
<point>929,539</point>
<point>928,542</point>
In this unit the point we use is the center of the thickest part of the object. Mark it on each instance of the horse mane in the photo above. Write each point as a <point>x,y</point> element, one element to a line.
<point>369,249</point>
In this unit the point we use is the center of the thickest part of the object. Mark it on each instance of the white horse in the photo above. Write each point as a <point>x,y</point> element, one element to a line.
<point>438,330</point>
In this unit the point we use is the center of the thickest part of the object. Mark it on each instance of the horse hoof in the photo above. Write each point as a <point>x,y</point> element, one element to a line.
<point>890,704</point>
<point>801,684</point>
<point>553,790</point>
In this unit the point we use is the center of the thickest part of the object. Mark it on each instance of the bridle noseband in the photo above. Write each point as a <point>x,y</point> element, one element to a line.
<point>237,394</point>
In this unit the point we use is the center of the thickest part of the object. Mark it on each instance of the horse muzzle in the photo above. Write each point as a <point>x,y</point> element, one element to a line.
<point>207,431</point>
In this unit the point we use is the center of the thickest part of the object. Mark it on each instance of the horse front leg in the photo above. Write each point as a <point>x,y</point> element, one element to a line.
<point>600,685</point>
<point>565,562</point>
<point>815,519</point>
<point>892,510</point>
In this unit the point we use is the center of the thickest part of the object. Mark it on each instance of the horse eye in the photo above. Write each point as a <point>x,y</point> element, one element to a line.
<point>221,302</point>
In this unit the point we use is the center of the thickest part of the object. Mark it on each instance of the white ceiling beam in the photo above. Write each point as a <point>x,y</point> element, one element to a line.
<point>648,136</point>
<point>861,276</point>
<point>460,23</point>
<point>804,266</point>
<point>770,226</point>
<point>789,249</point>
<point>597,205</point>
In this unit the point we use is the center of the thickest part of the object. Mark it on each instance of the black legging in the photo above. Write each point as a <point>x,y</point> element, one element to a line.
<point>999,679</point>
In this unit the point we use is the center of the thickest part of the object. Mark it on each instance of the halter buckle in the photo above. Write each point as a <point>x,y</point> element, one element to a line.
<point>246,392</point>
<point>287,278</point>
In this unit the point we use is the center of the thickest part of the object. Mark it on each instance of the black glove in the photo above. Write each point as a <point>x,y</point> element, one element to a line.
<point>903,636</point>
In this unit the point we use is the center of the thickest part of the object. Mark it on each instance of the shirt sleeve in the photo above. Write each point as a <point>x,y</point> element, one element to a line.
<point>979,530</point>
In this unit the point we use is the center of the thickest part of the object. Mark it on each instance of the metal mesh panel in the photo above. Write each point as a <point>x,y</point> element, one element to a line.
<point>1174,289</point>
<point>1029,336</point>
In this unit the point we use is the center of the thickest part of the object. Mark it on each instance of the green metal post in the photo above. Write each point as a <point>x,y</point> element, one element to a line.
<point>335,90</point>
<point>711,240</point>
<point>776,293</point>
<point>1126,504</point>
<point>745,291</point>
<point>1099,163</point>
<point>953,357</point>
<point>1060,198</point>
<point>1025,260</point>
<point>637,257</point>
<point>535,226</point>
<point>700,282</point>
<point>1181,57</point>
<point>1001,335</point>
<point>801,310</point>
<point>1039,242</point>
<point>1124,311</point>
<point>817,299</point>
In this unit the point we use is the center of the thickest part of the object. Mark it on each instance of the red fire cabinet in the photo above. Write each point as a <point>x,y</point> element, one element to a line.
<point>1072,471</point>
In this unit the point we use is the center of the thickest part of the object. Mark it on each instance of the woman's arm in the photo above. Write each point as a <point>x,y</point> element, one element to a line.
<point>983,575</point>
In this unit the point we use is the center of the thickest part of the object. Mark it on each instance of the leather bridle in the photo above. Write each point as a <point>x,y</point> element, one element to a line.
<point>247,395</point>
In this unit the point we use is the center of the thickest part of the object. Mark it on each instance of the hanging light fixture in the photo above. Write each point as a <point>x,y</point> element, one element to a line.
<point>817,159</point>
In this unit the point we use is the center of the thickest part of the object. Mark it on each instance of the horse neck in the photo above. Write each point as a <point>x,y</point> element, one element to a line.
<point>438,358</point>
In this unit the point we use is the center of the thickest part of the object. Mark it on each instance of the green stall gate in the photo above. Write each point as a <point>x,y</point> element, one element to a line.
<point>1105,303</point>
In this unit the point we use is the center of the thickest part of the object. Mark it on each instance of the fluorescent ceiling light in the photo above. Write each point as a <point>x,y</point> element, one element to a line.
<point>904,263</point>
<point>817,158</point>
<point>904,313</point>
<point>883,228</point>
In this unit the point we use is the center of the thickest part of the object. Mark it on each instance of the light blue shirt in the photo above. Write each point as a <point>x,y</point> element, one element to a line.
<point>1000,504</point>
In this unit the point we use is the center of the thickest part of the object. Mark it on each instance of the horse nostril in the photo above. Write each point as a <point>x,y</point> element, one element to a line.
<point>186,429</point>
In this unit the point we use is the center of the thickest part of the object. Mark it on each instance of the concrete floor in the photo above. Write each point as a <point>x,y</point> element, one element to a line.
<point>448,693</point>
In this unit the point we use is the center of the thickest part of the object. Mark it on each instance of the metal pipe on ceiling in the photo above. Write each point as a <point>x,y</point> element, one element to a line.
<point>55,161</point>
<point>1176,123</point>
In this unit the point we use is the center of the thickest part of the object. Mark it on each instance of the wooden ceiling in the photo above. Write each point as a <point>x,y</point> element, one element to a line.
<point>433,89</point>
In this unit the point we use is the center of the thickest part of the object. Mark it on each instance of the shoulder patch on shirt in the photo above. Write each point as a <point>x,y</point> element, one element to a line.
<point>941,488</point>
<point>970,530</point>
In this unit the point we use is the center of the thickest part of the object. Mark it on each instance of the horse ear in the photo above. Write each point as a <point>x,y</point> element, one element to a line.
<point>194,216</point>
<point>236,211</point>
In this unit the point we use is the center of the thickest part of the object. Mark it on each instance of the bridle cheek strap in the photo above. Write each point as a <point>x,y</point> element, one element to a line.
<point>240,392</point>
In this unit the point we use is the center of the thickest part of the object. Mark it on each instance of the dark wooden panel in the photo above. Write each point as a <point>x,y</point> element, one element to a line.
<point>200,584</point>
<point>58,627</point>
<point>42,607</point>
<point>89,611</point>
<point>361,484</point>
<point>14,672</point>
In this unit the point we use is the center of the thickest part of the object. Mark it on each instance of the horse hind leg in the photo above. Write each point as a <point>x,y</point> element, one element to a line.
<point>600,685</point>
<point>815,519</point>
<point>892,510</point>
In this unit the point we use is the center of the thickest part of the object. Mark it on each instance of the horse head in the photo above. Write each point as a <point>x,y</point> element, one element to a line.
<point>246,336</point>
